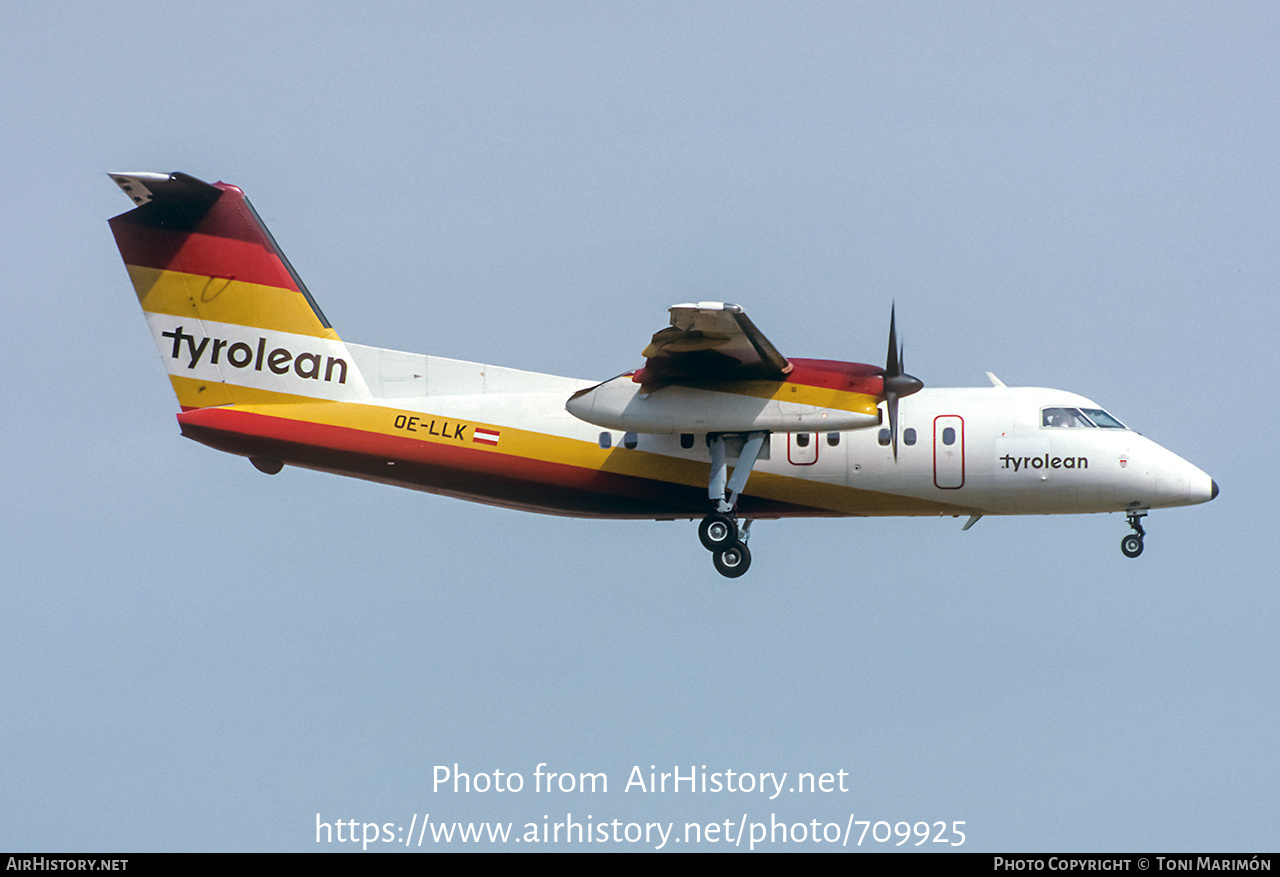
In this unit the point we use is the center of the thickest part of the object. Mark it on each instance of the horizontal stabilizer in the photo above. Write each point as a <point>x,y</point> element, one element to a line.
<point>171,189</point>
<point>173,201</point>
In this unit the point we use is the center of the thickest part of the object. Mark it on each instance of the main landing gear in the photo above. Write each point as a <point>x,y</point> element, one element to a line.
<point>727,542</point>
<point>1131,545</point>
<point>719,531</point>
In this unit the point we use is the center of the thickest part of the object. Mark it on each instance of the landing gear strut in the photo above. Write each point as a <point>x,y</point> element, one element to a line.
<point>719,531</point>
<point>1131,545</point>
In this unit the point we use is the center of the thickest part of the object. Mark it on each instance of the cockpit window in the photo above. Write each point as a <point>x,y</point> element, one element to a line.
<point>1076,418</point>
<point>1103,419</point>
<point>1064,417</point>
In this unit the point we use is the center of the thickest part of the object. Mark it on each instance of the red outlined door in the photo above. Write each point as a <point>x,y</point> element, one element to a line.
<point>802,448</point>
<point>948,451</point>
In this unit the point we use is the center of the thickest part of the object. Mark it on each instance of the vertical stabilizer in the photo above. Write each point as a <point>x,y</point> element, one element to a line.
<point>231,318</point>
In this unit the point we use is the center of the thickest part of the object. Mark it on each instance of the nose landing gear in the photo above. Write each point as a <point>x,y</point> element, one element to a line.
<point>1131,545</point>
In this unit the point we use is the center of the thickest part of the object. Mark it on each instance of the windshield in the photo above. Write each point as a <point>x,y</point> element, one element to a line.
<point>1103,419</point>
<point>1064,418</point>
<point>1078,418</point>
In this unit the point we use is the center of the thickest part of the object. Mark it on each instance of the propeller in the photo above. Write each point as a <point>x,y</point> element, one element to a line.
<point>897,383</point>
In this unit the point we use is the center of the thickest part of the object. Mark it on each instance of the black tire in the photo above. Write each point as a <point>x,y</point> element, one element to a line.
<point>733,561</point>
<point>717,532</point>
<point>1131,545</point>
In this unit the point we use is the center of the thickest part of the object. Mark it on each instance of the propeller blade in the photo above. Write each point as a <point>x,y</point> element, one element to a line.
<point>891,404</point>
<point>897,383</point>
<point>892,365</point>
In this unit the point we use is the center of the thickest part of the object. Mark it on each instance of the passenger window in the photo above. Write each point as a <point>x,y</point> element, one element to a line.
<point>802,440</point>
<point>948,436</point>
<point>833,439</point>
<point>606,440</point>
<point>686,440</point>
<point>629,441</point>
<point>909,436</point>
<point>883,438</point>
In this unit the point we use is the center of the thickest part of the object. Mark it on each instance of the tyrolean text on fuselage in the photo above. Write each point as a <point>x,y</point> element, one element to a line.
<point>1043,462</point>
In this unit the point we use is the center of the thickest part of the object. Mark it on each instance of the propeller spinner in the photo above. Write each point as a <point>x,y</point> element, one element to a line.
<point>897,383</point>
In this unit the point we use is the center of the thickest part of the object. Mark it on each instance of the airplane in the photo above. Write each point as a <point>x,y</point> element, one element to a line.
<point>716,426</point>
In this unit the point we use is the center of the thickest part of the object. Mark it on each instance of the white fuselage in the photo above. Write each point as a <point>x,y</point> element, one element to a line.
<point>999,459</point>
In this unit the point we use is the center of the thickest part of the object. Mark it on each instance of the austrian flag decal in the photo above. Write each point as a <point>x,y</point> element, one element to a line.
<point>485,436</point>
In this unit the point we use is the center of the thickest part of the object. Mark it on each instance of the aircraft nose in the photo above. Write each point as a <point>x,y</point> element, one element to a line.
<point>1203,488</point>
<point>1183,483</point>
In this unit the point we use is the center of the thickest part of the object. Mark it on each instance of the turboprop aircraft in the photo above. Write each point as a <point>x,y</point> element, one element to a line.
<point>717,425</point>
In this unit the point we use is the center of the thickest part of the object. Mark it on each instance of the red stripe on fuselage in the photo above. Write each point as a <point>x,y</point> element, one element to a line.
<point>486,476</point>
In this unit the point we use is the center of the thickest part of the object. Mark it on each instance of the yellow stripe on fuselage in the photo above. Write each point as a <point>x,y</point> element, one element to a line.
<point>833,499</point>
<point>225,300</point>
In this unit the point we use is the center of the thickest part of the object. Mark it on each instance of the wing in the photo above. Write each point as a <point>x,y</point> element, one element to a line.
<point>712,371</point>
<point>710,341</point>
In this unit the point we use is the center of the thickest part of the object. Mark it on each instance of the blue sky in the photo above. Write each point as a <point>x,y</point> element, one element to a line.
<point>197,657</point>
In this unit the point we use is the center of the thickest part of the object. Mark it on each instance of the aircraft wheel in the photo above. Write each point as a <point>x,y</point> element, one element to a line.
<point>733,561</point>
<point>1131,545</point>
<point>717,532</point>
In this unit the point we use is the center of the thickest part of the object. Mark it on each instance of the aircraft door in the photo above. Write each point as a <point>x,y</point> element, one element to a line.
<point>802,448</point>
<point>948,451</point>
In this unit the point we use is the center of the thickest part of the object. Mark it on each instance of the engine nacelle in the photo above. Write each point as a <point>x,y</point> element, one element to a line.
<point>622,404</point>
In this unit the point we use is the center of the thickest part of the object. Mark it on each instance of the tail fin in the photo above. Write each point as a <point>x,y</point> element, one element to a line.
<point>233,321</point>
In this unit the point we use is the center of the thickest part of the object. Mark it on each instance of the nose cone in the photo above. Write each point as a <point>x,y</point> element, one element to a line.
<point>902,385</point>
<point>1177,482</point>
<point>1202,487</point>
